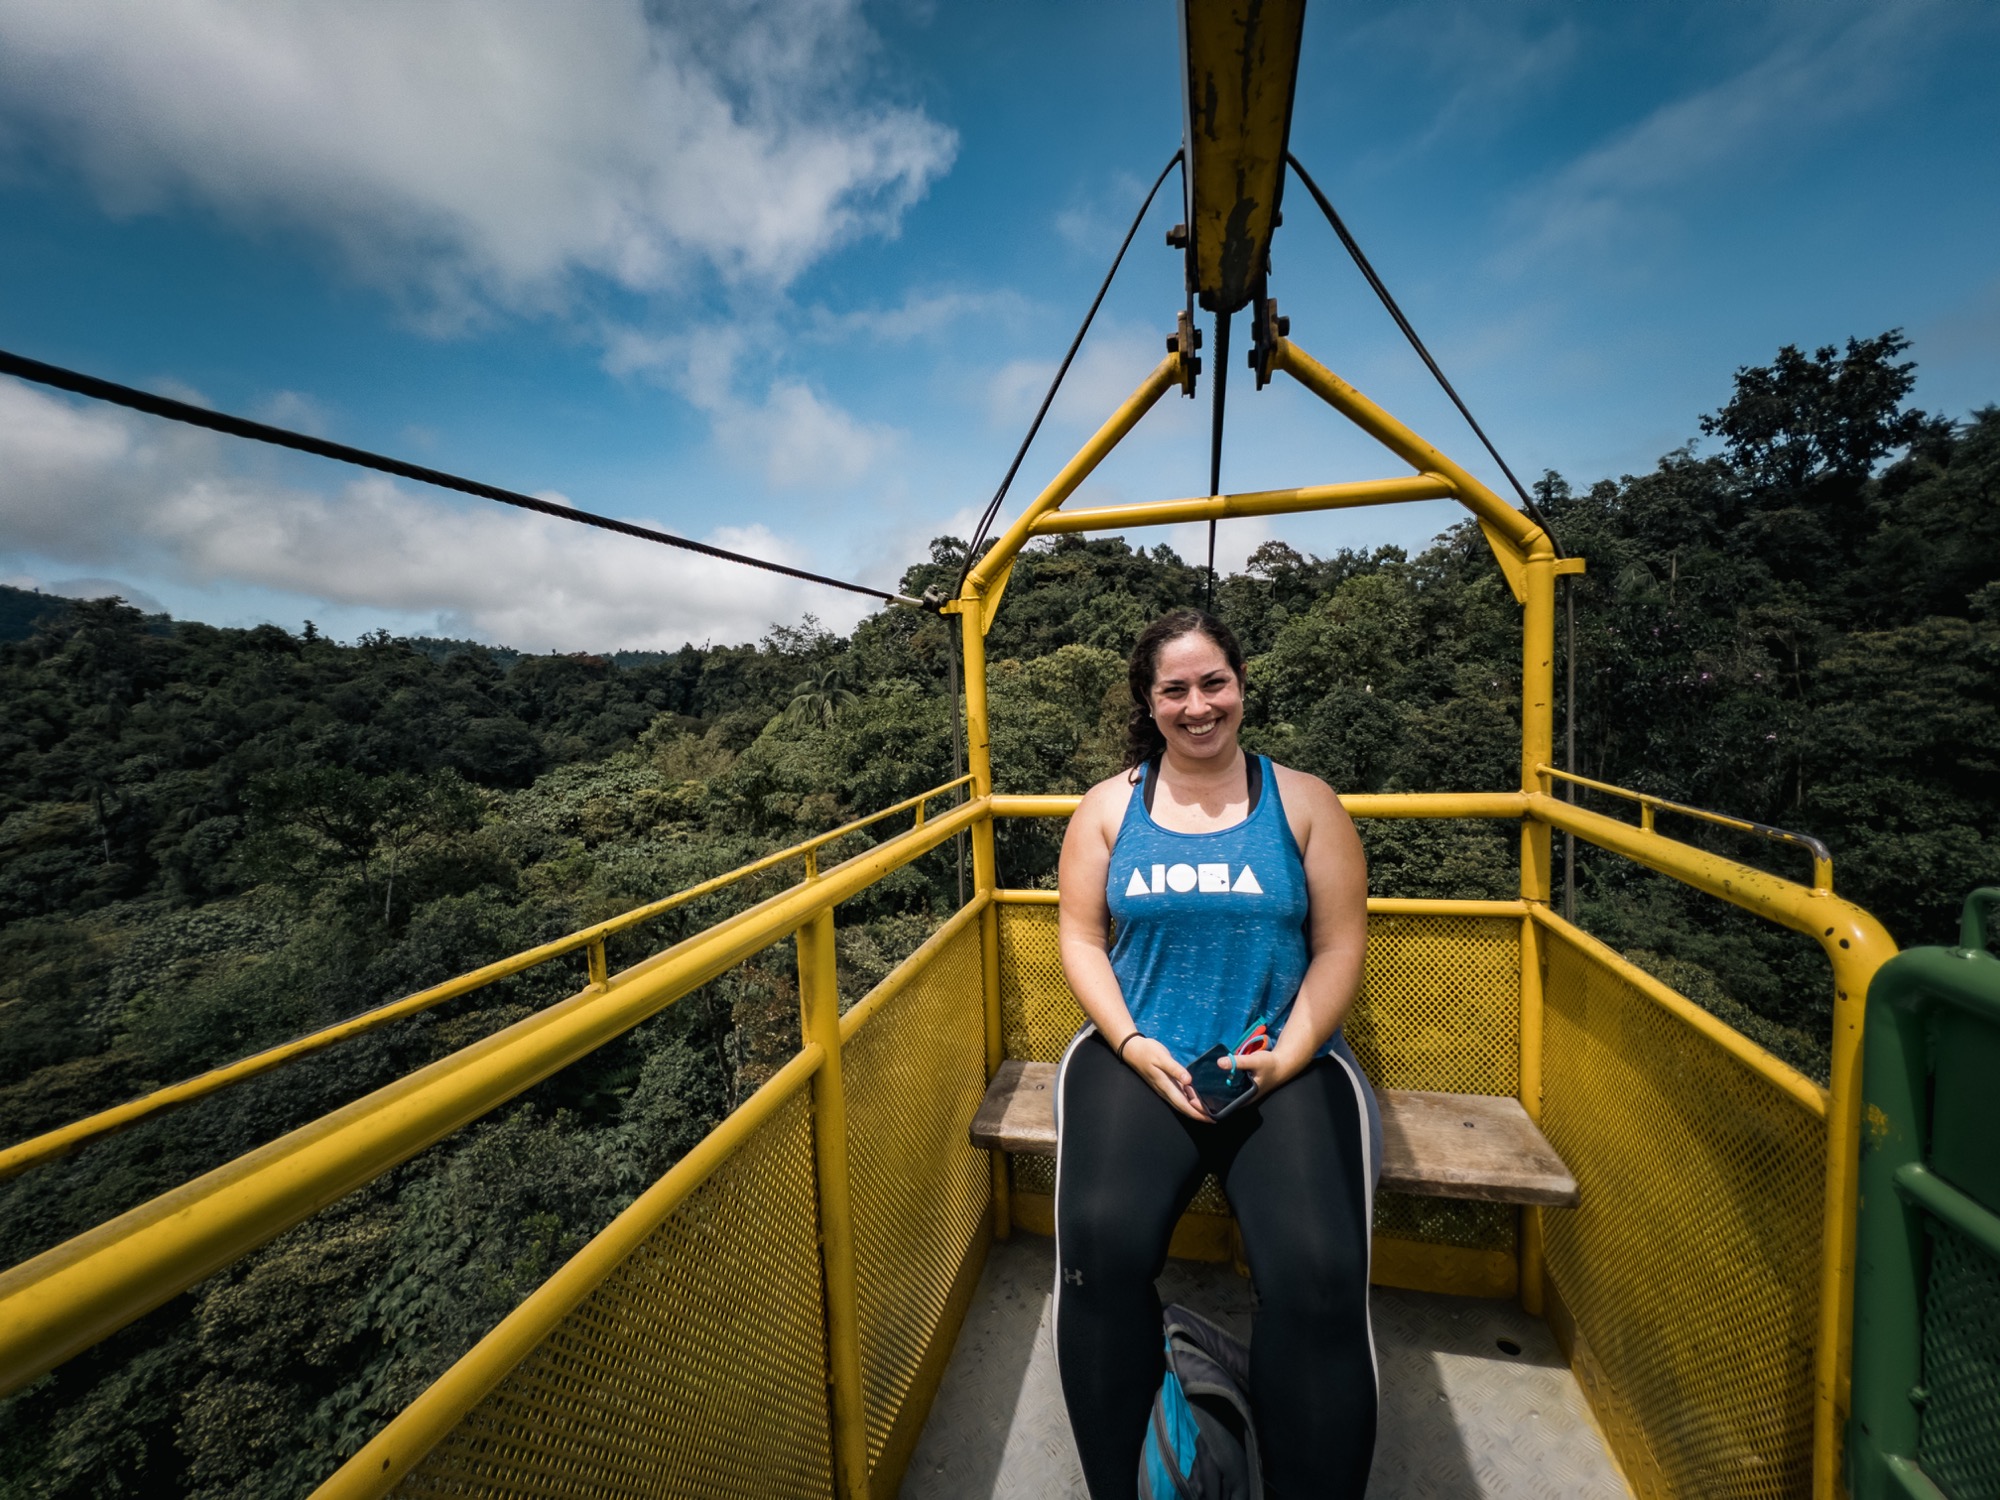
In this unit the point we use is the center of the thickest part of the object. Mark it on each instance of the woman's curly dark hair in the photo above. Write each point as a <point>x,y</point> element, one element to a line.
<point>1143,739</point>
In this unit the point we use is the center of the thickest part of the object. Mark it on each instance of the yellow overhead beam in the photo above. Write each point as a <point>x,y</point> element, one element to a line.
<point>987,581</point>
<point>1256,503</point>
<point>1516,540</point>
<point>1242,62</point>
<point>1503,523</point>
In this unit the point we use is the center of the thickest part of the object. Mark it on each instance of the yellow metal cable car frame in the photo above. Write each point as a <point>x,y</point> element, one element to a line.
<point>774,1314</point>
<point>772,1317</point>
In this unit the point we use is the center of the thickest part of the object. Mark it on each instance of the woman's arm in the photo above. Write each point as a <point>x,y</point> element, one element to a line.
<point>1336,926</point>
<point>1083,927</point>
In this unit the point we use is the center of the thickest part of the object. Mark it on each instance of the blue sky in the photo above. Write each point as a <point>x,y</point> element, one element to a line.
<point>790,275</point>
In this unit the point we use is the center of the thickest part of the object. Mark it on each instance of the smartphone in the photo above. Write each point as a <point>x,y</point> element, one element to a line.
<point>1220,1089</point>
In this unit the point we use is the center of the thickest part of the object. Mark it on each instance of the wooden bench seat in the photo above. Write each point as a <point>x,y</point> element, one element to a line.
<point>1433,1145</point>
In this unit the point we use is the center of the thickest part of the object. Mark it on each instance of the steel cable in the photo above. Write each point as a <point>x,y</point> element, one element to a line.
<point>985,526</point>
<point>260,432</point>
<point>1215,440</point>
<point>1382,292</point>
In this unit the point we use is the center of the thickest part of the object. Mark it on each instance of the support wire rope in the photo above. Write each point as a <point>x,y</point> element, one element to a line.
<point>1534,511</point>
<point>986,519</point>
<point>260,432</point>
<point>1215,440</point>
<point>992,511</point>
<point>1381,291</point>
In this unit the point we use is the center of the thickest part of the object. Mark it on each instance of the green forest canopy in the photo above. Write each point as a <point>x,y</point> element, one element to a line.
<point>211,840</point>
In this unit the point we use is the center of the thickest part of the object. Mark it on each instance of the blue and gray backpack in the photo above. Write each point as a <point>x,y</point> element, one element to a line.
<point>1200,1444</point>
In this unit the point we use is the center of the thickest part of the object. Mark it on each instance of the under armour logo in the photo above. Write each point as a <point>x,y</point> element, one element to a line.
<point>1074,1278</point>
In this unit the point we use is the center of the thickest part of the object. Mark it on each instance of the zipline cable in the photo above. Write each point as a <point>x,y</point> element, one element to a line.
<point>260,432</point>
<point>1410,333</point>
<point>985,526</point>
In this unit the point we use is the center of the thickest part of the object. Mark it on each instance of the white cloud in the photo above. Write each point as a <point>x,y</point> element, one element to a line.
<point>1234,542</point>
<point>1108,369</point>
<point>1094,222</point>
<point>100,588</point>
<point>801,439</point>
<point>919,315</point>
<point>1484,61</point>
<point>1967,332</point>
<point>296,410</point>
<point>795,436</point>
<point>1834,65</point>
<point>1164,457</point>
<point>105,490</point>
<point>485,151</point>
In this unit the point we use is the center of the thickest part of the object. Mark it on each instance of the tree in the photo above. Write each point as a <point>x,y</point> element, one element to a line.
<point>1802,628</point>
<point>315,819</point>
<point>822,698</point>
<point>1798,421</point>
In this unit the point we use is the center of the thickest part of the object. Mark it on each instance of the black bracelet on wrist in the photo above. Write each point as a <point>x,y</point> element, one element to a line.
<point>1136,1034</point>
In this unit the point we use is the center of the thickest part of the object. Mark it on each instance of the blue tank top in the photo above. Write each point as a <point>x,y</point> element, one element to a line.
<point>1209,929</point>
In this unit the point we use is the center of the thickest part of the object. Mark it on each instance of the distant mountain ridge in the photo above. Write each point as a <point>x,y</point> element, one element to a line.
<point>21,610</point>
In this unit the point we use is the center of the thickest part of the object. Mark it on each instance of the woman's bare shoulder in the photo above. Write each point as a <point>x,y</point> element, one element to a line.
<point>1319,822</point>
<point>1304,788</point>
<point>1109,798</point>
<point>1096,819</point>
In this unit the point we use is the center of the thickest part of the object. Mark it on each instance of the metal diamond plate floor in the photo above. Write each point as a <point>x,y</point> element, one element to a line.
<point>1461,1419</point>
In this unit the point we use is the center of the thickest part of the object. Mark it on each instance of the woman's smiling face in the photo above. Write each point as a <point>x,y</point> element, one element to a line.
<point>1197,699</point>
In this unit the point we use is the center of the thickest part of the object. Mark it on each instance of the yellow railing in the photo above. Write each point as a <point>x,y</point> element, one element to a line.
<point>36,1150</point>
<point>1852,940</point>
<point>1439,1009</point>
<point>1822,857</point>
<point>690,1347</point>
<point>70,1297</point>
<point>770,1318</point>
<point>1809,1139</point>
<point>1689,1283</point>
<point>1689,1288</point>
<point>845,1193</point>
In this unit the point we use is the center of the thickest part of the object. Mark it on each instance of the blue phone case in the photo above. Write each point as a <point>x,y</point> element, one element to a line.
<point>1220,1090</point>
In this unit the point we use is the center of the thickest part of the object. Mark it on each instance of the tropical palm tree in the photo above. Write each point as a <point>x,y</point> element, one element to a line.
<point>821,699</point>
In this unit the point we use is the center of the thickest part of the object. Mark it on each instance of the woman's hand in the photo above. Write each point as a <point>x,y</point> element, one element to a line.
<point>1271,1067</point>
<point>1153,1062</point>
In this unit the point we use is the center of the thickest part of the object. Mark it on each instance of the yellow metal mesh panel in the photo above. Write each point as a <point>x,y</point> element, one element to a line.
<point>915,1073</point>
<point>1038,1014</point>
<point>1440,1008</point>
<point>1445,1221</point>
<point>698,1368</point>
<point>1692,1265</point>
<point>1440,1004</point>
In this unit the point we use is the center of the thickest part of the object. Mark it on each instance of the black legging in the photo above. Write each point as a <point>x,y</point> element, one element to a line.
<point>1298,1174</point>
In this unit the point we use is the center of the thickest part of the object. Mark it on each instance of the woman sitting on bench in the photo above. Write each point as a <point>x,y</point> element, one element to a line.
<point>1237,892</point>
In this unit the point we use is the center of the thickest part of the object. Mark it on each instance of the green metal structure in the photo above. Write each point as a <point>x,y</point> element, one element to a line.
<point>1926,1412</point>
